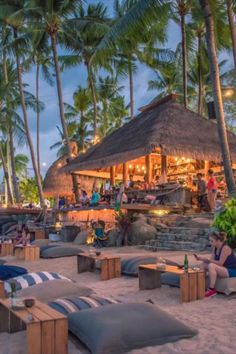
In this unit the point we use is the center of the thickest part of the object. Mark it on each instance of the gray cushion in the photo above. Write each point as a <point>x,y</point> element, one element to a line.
<point>226,285</point>
<point>129,266</point>
<point>75,304</point>
<point>51,290</point>
<point>170,279</point>
<point>118,328</point>
<point>59,251</point>
<point>2,261</point>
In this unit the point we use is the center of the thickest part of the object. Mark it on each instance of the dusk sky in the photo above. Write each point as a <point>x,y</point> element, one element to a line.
<point>71,79</point>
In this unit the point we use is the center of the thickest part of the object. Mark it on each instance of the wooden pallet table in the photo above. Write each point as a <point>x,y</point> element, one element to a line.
<point>27,253</point>
<point>2,290</point>
<point>6,249</point>
<point>192,283</point>
<point>110,265</point>
<point>46,329</point>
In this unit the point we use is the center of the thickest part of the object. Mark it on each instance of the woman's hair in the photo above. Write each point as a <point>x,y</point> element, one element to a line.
<point>219,236</point>
<point>210,172</point>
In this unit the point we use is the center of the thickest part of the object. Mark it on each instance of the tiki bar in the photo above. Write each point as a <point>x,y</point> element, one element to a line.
<point>154,159</point>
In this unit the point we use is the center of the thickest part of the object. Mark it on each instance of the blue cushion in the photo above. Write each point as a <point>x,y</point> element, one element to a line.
<point>29,279</point>
<point>129,266</point>
<point>75,304</point>
<point>8,271</point>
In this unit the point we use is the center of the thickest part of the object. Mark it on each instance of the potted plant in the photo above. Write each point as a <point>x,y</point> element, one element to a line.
<point>226,221</point>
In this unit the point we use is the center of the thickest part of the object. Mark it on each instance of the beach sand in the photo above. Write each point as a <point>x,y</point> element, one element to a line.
<point>214,318</point>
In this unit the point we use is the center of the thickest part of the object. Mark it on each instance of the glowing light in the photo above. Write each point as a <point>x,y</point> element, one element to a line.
<point>176,158</point>
<point>188,160</point>
<point>44,164</point>
<point>229,93</point>
<point>143,168</point>
<point>59,164</point>
<point>130,166</point>
<point>137,166</point>
<point>160,212</point>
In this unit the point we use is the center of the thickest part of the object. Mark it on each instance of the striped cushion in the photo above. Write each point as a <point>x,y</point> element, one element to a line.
<point>75,304</point>
<point>29,279</point>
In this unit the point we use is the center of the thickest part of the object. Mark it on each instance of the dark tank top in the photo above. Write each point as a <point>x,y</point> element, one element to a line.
<point>230,261</point>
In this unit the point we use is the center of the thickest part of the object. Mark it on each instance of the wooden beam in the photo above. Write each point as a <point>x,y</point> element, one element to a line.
<point>163,164</point>
<point>148,162</point>
<point>206,167</point>
<point>125,173</point>
<point>112,175</point>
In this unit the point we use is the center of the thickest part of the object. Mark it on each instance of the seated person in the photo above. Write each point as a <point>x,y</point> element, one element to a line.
<point>84,200</point>
<point>222,263</point>
<point>99,233</point>
<point>61,203</point>
<point>95,197</point>
<point>131,181</point>
<point>23,238</point>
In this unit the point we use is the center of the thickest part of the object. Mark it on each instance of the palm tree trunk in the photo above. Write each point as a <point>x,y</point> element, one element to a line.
<point>215,77</point>
<point>81,130</point>
<point>6,175</point>
<point>200,83</point>
<point>13,166</point>
<point>8,162</point>
<point>61,108</point>
<point>38,118</point>
<point>92,88</point>
<point>184,58</point>
<point>131,88</point>
<point>27,131</point>
<point>231,16</point>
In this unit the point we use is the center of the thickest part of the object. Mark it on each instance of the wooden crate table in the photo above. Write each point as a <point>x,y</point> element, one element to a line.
<point>27,253</point>
<point>192,283</point>
<point>46,330</point>
<point>110,265</point>
<point>6,249</point>
<point>2,290</point>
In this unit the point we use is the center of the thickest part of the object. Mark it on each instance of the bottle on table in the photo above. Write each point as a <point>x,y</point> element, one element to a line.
<point>186,263</point>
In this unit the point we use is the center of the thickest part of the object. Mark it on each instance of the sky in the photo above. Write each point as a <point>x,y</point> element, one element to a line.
<point>71,79</point>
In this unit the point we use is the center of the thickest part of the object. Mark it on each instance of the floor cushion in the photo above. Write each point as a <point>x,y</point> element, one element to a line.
<point>129,266</point>
<point>118,328</point>
<point>59,251</point>
<point>8,271</point>
<point>2,261</point>
<point>75,304</point>
<point>51,290</point>
<point>226,285</point>
<point>30,279</point>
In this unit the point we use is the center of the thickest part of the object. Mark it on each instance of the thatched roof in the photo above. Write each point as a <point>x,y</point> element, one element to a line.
<point>57,182</point>
<point>165,125</point>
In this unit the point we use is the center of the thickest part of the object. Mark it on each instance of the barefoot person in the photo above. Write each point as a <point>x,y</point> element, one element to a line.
<point>222,263</point>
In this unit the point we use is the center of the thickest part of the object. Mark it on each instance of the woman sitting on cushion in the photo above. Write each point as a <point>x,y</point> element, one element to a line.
<point>222,263</point>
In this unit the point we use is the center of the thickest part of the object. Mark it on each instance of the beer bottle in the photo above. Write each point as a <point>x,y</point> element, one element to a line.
<point>185,263</point>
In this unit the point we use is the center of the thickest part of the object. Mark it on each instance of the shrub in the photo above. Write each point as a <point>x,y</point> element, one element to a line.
<point>226,222</point>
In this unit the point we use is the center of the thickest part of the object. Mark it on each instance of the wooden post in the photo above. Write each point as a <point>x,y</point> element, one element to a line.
<point>112,175</point>
<point>125,174</point>
<point>148,162</point>
<point>206,167</point>
<point>163,165</point>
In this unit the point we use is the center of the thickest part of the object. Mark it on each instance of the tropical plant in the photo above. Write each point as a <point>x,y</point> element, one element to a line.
<point>226,222</point>
<point>28,190</point>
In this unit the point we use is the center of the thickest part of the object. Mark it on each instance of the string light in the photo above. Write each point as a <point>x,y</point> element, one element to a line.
<point>130,166</point>
<point>59,164</point>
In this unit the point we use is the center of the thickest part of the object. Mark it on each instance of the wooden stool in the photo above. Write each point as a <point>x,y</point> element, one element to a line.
<point>6,249</point>
<point>2,290</point>
<point>192,286</point>
<point>39,234</point>
<point>46,329</point>
<point>110,265</point>
<point>27,253</point>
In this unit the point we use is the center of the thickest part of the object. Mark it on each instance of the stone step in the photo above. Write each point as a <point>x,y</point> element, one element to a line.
<point>179,237</point>
<point>175,246</point>
<point>184,230</point>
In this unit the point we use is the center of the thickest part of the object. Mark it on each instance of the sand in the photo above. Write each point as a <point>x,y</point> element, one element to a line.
<point>214,318</point>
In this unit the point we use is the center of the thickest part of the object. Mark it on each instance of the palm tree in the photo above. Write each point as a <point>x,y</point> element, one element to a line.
<point>8,14</point>
<point>231,17</point>
<point>215,77</point>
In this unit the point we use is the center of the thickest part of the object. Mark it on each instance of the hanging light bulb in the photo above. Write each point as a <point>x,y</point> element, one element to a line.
<point>130,166</point>
<point>143,168</point>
